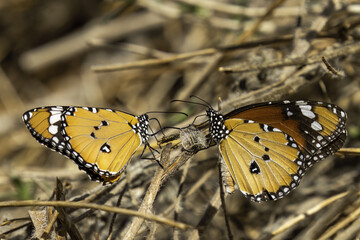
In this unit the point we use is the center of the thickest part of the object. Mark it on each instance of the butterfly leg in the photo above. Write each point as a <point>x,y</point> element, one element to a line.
<point>152,152</point>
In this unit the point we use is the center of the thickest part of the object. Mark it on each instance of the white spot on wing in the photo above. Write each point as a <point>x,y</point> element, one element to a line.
<point>316,126</point>
<point>54,118</point>
<point>305,107</point>
<point>53,129</point>
<point>105,148</point>
<point>56,140</point>
<point>308,113</point>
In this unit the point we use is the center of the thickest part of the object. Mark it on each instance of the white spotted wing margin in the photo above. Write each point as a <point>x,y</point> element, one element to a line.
<point>265,162</point>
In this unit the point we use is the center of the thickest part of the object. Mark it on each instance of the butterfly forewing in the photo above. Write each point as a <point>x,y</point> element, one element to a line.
<point>100,141</point>
<point>318,128</point>
<point>266,164</point>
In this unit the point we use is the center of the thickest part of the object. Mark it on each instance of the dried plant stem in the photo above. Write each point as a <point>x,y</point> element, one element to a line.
<point>327,217</point>
<point>48,228</point>
<point>233,9</point>
<point>179,199</point>
<point>152,62</point>
<point>209,213</point>
<point>305,60</point>
<point>78,41</point>
<point>123,211</point>
<point>349,151</point>
<point>341,224</point>
<point>309,212</point>
<point>147,203</point>
<point>223,204</point>
<point>256,25</point>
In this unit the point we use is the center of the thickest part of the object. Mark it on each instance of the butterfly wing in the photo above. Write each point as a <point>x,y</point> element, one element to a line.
<point>318,128</point>
<point>100,141</point>
<point>265,162</point>
<point>44,124</point>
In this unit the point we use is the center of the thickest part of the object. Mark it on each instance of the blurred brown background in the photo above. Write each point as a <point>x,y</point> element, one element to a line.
<point>137,56</point>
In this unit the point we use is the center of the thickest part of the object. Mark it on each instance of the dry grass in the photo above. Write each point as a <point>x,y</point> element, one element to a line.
<point>137,56</point>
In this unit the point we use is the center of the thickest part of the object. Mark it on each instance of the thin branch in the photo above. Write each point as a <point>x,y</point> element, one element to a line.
<point>152,62</point>
<point>311,211</point>
<point>344,50</point>
<point>147,203</point>
<point>247,11</point>
<point>27,203</point>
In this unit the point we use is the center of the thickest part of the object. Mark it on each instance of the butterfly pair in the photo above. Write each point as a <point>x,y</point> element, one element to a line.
<point>267,147</point>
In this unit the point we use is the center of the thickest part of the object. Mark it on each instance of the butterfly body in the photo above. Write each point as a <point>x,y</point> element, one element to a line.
<point>267,147</point>
<point>100,141</point>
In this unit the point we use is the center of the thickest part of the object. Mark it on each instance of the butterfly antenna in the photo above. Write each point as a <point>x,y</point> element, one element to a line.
<point>154,135</point>
<point>161,128</point>
<point>207,104</point>
<point>166,127</point>
<point>184,101</point>
<point>168,112</point>
<point>201,115</point>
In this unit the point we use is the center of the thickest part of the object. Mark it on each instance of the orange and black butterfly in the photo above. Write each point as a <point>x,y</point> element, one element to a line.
<point>267,147</point>
<point>100,141</point>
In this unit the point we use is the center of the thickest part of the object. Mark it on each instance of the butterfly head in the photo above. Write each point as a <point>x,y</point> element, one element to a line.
<point>217,127</point>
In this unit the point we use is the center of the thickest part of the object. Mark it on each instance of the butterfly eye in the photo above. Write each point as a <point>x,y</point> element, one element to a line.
<point>267,147</point>
<point>100,141</point>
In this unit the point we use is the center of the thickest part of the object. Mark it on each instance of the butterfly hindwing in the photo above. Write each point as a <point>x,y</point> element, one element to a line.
<point>265,162</point>
<point>100,141</point>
